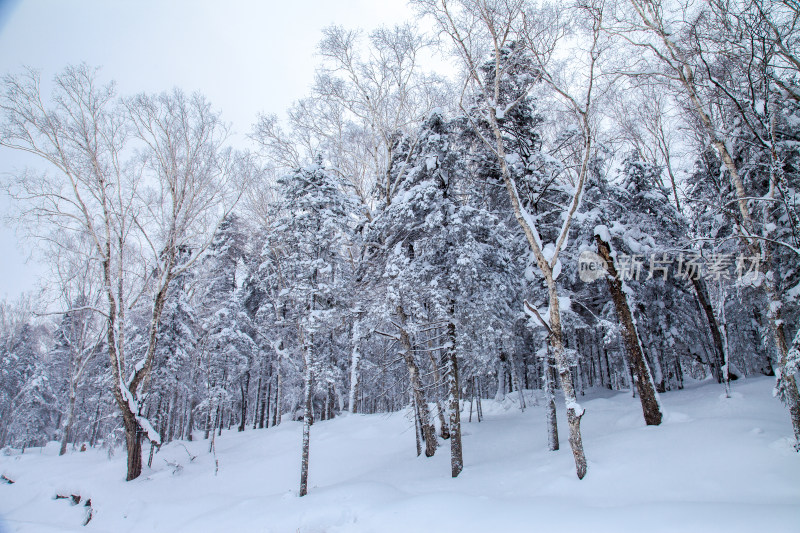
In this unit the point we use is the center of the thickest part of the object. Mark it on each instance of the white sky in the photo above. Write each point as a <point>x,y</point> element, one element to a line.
<point>245,56</point>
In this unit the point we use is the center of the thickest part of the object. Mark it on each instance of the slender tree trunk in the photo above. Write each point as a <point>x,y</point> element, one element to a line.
<point>245,390</point>
<point>501,379</point>
<point>70,422</point>
<point>172,418</point>
<point>265,406</point>
<point>276,418</point>
<point>478,406</point>
<point>330,403</point>
<point>428,430</point>
<point>644,380</point>
<point>550,401</point>
<point>190,421</point>
<point>471,398</point>
<point>259,409</point>
<point>703,299</point>
<point>574,410</point>
<point>515,380</point>
<point>454,397</point>
<point>307,401</point>
<point>95,428</point>
<point>417,425</point>
<point>437,379</point>
<point>355,369</point>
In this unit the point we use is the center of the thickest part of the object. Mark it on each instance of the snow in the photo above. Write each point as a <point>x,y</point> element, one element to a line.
<point>715,464</point>
<point>602,232</point>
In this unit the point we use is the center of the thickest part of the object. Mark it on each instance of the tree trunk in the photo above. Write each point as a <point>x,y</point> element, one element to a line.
<point>133,442</point>
<point>574,410</point>
<point>478,406</point>
<point>307,400</point>
<point>437,379</point>
<point>276,417</point>
<point>454,397</point>
<point>786,385</point>
<point>501,379</point>
<point>190,421</point>
<point>515,380</point>
<point>95,428</point>
<point>259,409</point>
<point>70,422</point>
<point>245,390</point>
<point>355,369</point>
<point>644,381</point>
<point>172,418</point>
<point>703,299</point>
<point>265,406</point>
<point>550,401</point>
<point>417,425</point>
<point>330,404</point>
<point>428,430</point>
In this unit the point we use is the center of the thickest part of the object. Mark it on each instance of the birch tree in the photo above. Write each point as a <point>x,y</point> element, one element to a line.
<point>136,212</point>
<point>732,63</point>
<point>481,29</point>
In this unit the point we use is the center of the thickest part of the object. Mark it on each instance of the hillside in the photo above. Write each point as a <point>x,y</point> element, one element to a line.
<point>715,464</point>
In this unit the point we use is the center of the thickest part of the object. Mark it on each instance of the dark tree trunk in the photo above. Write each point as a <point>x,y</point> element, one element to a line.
<point>331,401</point>
<point>276,417</point>
<point>133,442</point>
<point>644,380</point>
<point>259,409</point>
<point>265,407</point>
<point>705,304</point>
<point>478,406</point>
<point>245,390</point>
<point>95,428</point>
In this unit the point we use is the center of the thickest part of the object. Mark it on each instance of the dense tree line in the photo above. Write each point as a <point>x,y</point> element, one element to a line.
<point>606,196</point>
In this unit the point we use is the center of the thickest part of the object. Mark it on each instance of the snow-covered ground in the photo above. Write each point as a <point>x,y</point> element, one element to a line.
<point>715,464</point>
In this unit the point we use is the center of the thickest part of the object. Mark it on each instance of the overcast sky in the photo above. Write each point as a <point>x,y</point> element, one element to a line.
<point>245,56</point>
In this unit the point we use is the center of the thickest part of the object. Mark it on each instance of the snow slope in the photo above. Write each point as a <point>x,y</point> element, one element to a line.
<point>715,464</point>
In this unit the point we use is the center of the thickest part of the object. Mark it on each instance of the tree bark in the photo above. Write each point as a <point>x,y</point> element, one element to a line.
<point>550,402</point>
<point>276,418</point>
<point>428,430</point>
<point>355,369</point>
<point>307,401</point>
<point>644,380</point>
<point>786,384</point>
<point>574,410</point>
<point>259,409</point>
<point>437,379</point>
<point>133,442</point>
<point>68,426</point>
<point>245,390</point>
<point>454,397</point>
<point>516,381</point>
<point>701,291</point>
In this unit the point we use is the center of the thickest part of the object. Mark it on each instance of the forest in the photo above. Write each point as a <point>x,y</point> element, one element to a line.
<point>593,195</point>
